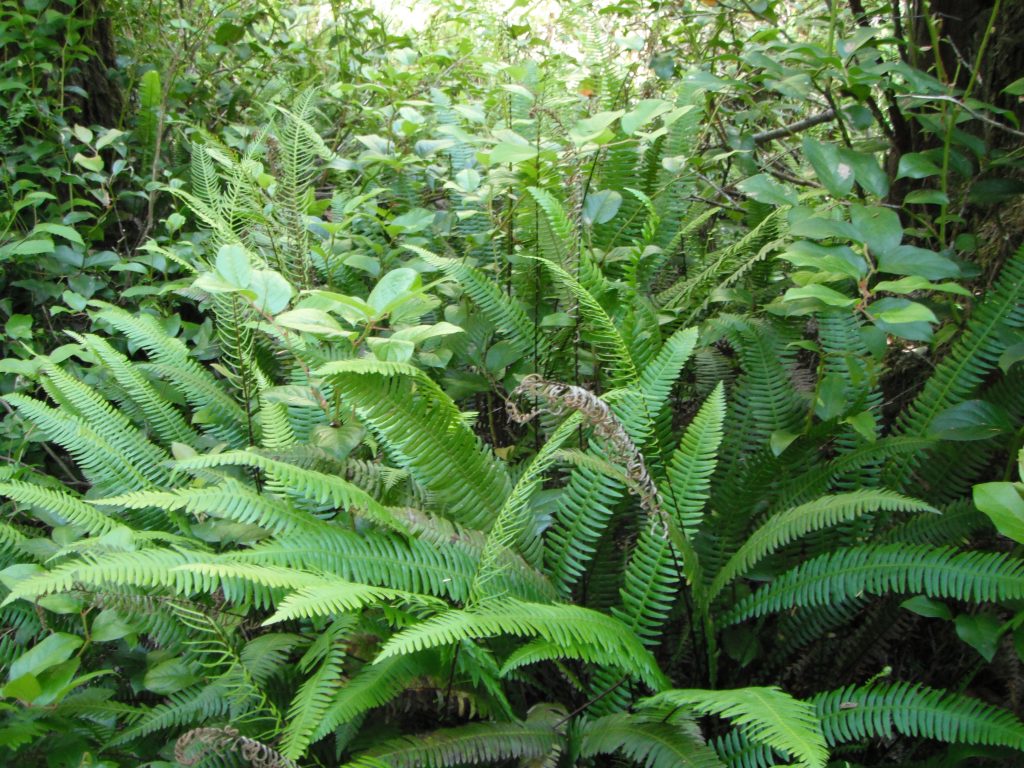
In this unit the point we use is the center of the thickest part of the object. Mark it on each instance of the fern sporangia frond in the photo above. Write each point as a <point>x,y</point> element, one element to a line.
<point>423,431</point>
<point>652,742</point>
<point>879,569</point>
<point>301,146</point>
<point>766,716</point>
<point>785,527</point>
<point>585,634</point>
<point>585,505</point>
<point>475,744</point>
<point>195,746</point>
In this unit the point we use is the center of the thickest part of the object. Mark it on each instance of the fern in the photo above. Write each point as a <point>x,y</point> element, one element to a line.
<point>650,742</point>
<point>694,461</point>
<point>881,710</point>
<point>798,521</point>
<point>314,695</point>
<point>975,353</point>
<point>474,744</point>
<point>585,634</point>
<point>766,716</point>
<point>846,573</point>
<point>423,432</point>
<point>505,312</point>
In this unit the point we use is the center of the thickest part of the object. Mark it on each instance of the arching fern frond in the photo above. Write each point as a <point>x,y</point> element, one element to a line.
<point>650,742</point>
<point>474,744</point>
<point>62,504</point>
<point>592,636</point>
<point>933,571</point>
<point>423,432</point>
<point>305,483</point>
<point>767,716</point>
<point>880,710</point>
<point>790,525</point>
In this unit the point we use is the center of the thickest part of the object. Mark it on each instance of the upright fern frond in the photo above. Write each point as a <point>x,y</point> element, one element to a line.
<point>975,353</point>
<point>315,694</point>
<point>694,461</point>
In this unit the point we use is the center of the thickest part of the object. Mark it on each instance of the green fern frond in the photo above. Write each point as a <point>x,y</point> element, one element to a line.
<point>881,710</point>
<point>304,483</point>
<point>316,692</point>
<point>975,353</point>
<point>650,742</point>
<point>424,432</point>
<point>589,635</point>
<point>505,312</point>
<point>767,716</point>
<point>592,636</point>
<point>513,527</point>
<point>556,235</point>
<point>334,597</point>
<point>374,685</point>
<point>660,375</point>
<point>785,527</point>
<point>101,462</point>
<point>112,424</point>
<point>231,500</point>
<point>192,705</point>
<point>60,503</point>
<point>694,461</point>
<point>933,571</point>
<point>608,343</point>
<point>171,359</point>
<point>167,423</point>
<point>474,744</point>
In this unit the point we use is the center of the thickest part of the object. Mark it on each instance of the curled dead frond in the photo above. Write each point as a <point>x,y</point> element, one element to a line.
<point>193,745</point>
<point>620,449</point>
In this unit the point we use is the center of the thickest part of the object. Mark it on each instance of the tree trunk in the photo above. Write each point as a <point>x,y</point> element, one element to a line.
<point>104,101</point>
